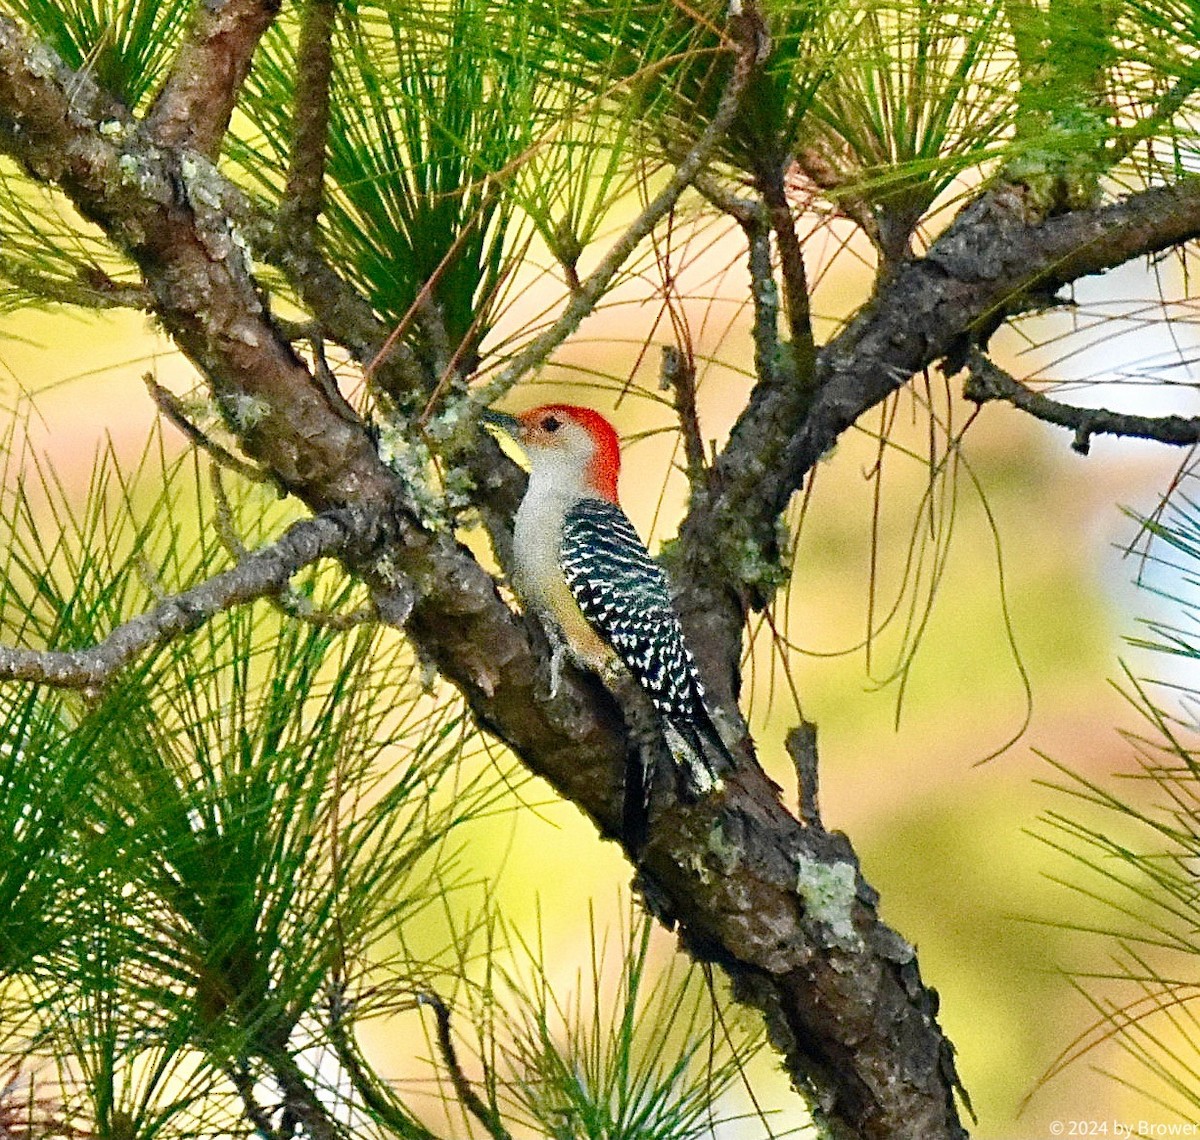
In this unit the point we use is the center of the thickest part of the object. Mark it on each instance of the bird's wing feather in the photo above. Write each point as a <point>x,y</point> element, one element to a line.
<point>623,593</point>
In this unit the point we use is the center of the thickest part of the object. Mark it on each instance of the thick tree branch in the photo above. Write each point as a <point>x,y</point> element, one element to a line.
<point>989,261</point>
<point>260,574</point>
<point>164,210</point>
<point>986,381</point>
<point>194,107</point>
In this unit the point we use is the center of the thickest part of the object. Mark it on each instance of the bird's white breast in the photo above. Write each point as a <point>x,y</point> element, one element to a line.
<point>537,573</point>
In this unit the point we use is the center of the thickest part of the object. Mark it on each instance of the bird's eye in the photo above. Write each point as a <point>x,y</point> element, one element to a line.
<point>551,423</point>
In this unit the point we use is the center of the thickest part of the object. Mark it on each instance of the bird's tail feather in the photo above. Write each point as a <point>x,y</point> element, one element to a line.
<point>701,760</point>
<point>706,756</point>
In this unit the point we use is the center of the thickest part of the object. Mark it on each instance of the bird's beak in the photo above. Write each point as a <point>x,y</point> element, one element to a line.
<point>504,421</point>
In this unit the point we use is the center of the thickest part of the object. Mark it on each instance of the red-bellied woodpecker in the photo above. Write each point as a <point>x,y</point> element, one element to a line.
<point>579,565</point>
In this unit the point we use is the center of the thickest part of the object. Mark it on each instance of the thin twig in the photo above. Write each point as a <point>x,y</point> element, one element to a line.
<point>816,165</point>
<point>327,382</point>
<point>462,1086</point>
<point>751,46</point>
<point>743,210</point>
<point>679,376</point>
<point>91,288</point>
<point>375,1096</point>
<point>254,1112</point>
<point>764,295</point>
<point>801,744</point>
<point>791,266</point>
<point>289,601</point>
<point>986,381</point>
<point>173,410</point>
<point>260,574</point>
<point>301,1102</point>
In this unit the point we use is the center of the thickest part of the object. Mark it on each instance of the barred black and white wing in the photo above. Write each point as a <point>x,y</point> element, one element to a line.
<point>623,593</point>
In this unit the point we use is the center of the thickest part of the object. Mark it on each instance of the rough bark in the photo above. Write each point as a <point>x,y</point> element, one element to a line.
<point>195,105</point>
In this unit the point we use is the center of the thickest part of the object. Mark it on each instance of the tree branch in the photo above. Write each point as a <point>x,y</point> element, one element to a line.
<point>755,220</point>
<point>301,1102</point>
<point>91,289</point>
<point>288,600</point>
<point>304,193</point>
<point>254,1112</point>
<point>986,381</point>
<point>678,376</point>
<point>260,574</point>
<point>376,1096</point>
<point>996,253</point>
<point>764,296</point>
<point>782,907</point>
<point>801,744</point>
<point>792,271</point>
<point>462,1086</point>
<point>342,311</point>
<point>193,109</point>
<point>988,262</point>
<point>171,408</point>
<point>166,212</point>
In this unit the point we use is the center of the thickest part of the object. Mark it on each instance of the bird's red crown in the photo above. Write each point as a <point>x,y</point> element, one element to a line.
<point>541,425</point>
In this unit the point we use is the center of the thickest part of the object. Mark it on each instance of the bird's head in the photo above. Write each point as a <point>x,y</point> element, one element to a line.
<point>568,442</point>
